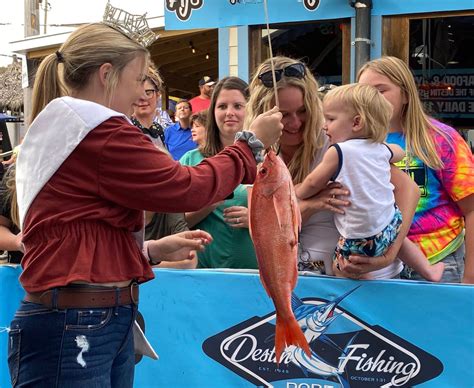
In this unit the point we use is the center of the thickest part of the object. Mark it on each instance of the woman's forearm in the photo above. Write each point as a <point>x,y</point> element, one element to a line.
<point>194,218</point>
<point>8,240</point>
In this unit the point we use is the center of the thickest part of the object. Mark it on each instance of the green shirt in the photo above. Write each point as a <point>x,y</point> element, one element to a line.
<point>231,247</point>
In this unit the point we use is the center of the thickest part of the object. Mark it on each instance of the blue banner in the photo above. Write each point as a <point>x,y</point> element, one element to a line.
<point>216,329</point>
<point>189,14</point>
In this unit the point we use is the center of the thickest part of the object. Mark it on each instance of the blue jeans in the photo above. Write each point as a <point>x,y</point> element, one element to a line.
<point>453,270</point>
<point>90,348</point>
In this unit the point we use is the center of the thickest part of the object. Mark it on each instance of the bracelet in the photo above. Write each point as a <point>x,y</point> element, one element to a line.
<point>145,252</point>
<point>255,144</point>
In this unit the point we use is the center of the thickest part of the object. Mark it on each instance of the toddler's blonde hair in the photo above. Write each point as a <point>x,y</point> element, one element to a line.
<point>367,102</point>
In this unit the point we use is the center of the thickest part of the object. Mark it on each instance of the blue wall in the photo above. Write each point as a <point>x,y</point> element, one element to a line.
<point>215,329</point>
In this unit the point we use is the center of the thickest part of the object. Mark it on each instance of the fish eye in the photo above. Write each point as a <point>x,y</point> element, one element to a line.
<point>263,171</point>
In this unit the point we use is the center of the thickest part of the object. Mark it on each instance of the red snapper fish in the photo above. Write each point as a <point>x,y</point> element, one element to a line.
<point>274,224</point>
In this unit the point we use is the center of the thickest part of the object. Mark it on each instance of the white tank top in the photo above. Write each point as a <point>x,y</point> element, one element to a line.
<point>364,168</point>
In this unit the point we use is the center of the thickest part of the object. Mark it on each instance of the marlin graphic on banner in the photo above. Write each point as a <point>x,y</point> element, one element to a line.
<point>345,351</point>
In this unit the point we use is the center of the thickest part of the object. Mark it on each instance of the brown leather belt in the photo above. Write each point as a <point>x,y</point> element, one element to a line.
<point>85,296</point>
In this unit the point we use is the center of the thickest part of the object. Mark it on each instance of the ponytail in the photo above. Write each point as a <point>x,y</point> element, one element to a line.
<point>47,85</point>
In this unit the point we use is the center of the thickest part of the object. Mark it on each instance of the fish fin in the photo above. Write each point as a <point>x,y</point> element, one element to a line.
<point>279,211</point>
<point>288,332</point>
<point>296,214</point>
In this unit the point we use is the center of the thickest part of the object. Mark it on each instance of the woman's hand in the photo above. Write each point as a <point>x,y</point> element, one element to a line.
<point>332,198</point>
<point>267,127</point>
<point>237,216</point>
<point>357,267</point>
<point>179,246</point>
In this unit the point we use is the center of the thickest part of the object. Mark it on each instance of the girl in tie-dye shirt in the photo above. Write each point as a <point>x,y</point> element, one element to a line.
<point>440,162</point>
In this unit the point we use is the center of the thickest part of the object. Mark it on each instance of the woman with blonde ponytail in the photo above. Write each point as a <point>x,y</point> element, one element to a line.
<point>440,162</point>
<point>84,176</point>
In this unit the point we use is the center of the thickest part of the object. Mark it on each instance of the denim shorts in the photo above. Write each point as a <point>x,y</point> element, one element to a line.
<point>75,348</point>
<point>373,246</point>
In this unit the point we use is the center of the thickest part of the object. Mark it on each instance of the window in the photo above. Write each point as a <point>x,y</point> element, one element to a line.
<point>442,59</point>
<point>323,45</point>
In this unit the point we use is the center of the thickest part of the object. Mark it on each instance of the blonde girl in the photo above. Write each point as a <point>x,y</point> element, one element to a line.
<point>440,162</point>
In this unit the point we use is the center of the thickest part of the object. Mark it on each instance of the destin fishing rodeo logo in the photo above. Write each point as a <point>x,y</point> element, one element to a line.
<point>345,351</point>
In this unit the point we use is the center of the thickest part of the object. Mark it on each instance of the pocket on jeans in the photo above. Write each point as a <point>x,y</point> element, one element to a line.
<point>14,342</point>
<point>88,319</point>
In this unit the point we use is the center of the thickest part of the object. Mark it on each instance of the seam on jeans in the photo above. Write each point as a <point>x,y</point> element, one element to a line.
<point>103,323</point>
<point>60,353</point>
<point>14,379</point>
<point>29,313</point>
<point>130,329</point>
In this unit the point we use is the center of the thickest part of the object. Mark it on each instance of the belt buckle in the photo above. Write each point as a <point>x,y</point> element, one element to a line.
<point>132,285</point>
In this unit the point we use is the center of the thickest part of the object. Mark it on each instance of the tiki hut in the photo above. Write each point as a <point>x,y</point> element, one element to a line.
<point>11,93</point>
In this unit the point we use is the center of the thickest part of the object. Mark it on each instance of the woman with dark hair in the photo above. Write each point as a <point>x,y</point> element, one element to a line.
<point>145,109</point>
<point>198,127</point>
<point>226,221</point>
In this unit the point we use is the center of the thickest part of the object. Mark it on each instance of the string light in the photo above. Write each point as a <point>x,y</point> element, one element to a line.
<point>193,50</point>
<point>207,55</point>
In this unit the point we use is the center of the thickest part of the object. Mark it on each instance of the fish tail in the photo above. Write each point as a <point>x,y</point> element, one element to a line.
<point>288,332</point>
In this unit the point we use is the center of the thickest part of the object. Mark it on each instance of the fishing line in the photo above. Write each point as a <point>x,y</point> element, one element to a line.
<point>272,64</point>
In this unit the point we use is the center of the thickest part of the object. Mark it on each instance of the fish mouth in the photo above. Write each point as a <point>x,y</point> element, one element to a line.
<point>270,155</point>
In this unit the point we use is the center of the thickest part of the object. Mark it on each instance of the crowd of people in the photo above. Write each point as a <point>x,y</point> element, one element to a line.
<point>86,243</point>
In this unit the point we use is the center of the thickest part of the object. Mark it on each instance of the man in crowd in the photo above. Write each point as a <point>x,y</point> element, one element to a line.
<point>202,102</point>
<point>178,139</point>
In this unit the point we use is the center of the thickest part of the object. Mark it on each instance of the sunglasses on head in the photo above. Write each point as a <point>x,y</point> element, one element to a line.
<point>296,70</point>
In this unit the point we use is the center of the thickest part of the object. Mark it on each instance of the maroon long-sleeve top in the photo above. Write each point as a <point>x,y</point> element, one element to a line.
<point>79,227</point>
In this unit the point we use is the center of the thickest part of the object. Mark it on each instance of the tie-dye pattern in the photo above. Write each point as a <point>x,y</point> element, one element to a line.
<point>438,223</point>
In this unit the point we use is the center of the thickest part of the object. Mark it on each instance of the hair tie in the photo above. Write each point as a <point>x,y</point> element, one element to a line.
<point>59,57</point>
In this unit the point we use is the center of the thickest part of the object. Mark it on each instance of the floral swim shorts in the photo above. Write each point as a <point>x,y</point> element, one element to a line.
<point>371,246</point>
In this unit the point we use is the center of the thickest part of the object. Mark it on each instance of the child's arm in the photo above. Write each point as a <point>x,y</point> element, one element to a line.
<point>320,176</point>
<point>397,151</point>
<point>412,256</point>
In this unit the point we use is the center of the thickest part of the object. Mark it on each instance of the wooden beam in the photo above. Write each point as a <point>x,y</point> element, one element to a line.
<point>346,52</point>
<point>255,45</point>
<point>41,53</point>
<point>176,45</point>
<point>396,36</point>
